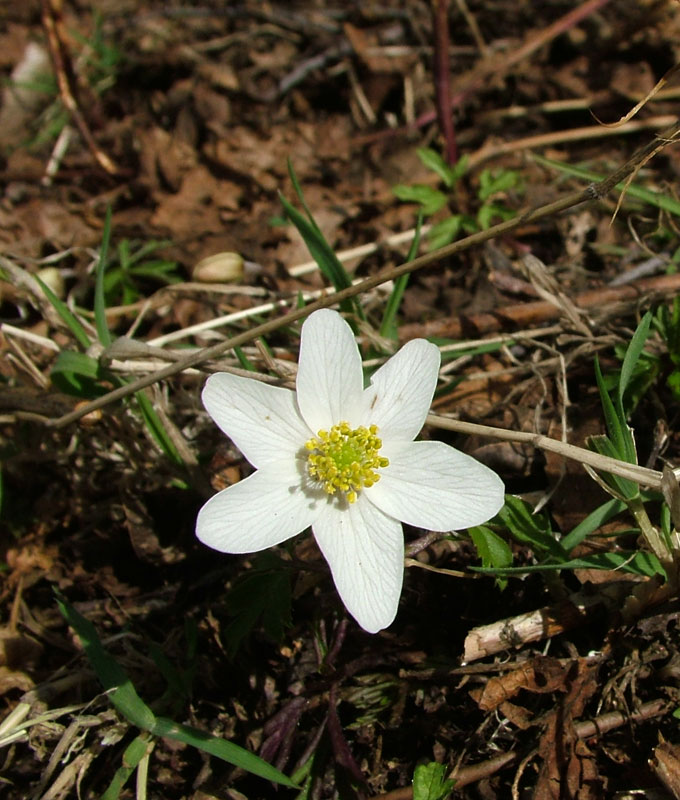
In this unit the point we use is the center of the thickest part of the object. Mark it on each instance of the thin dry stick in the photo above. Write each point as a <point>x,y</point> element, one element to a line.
<point>489,151</point>
<point>50,19</point>
<point>590,193</point>
<point>633,472</point>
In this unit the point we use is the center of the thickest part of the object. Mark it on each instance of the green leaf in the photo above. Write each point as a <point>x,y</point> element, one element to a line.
<point>635,348</point>
<point>323,254</point>
<point>492,549</point>
<point>663,201</point>
<point>243,359</point>
<point>636,563</point>
<point>616,427</point>
<point>494,183</point>
<point>430,199</point>
<point>262,595</point>
<point>673,383</point>
<point>592,522</point>
<point>621,487</point>
<point>220,748</point>
<point>156,427</point>
<point>430,782</point>
<point>432,160</point>
<point>77,374</point>
<point>69,318</point>
<point>444,232</point>
<point>489,212</point>
<point>129,704</point>
<point>112,677</point>
<point>134,753</point>
<point>99,302</point>
<point>528,528</point>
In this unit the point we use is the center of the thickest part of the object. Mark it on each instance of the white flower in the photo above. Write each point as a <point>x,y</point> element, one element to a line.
<point>342,459</point>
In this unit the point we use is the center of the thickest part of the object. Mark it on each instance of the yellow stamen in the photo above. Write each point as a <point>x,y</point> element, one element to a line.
<point>345,459</point>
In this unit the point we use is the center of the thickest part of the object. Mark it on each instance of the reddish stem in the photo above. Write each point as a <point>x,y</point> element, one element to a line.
<point>442,80</point>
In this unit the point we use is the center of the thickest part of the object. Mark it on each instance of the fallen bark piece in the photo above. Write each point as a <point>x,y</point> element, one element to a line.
<point>524,315</point>
<point>542,623</point>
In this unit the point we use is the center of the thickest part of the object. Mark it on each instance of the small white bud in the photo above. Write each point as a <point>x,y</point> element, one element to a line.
<point>219,268</point>
<point>54,280</point>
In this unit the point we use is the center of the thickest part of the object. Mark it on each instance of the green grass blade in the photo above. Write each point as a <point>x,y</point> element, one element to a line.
<point>301,197</point>
<point>319,248</point>
<point>99,299</point>
<point>156,428</point>
<point>635,348</point>
<point>528,528</point>
<point>133,754</point>
<point>243,360</point>
<point>592,522</point>
<point>111,675</point>
<point>388,327</point>
<point>612,419</point>
<point>127,702</point>
<point>69,318</point>
<point>221,748</point>
<point>669,204</point>
<point>635,563</point>
<point>323,254</point>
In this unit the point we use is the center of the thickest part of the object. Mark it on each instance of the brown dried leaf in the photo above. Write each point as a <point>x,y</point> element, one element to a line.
<point>569,772</point>
<point>541,675</point>
<point>666,764</point>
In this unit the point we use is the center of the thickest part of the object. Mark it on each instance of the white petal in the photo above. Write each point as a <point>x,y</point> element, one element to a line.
<point>330,378</point>
<point>365,551</point>
<point>262,420</point>
<point>399,397</point>
<point>264,509</point>
<point>431,485</point>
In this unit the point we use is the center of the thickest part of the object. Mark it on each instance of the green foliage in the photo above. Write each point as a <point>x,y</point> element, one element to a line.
<point>101,61</point>
<point>619,442</point>
<point>139,748</point>
<point>430,782</point>
<point>553,551</point>
<point>633,562</point>
<point>431,200</point>
<point>262,596</point>
<point>102,58</point>
<point>133,267</point>
<point>592,522</point>
<point>667,322</point>
<point>532,529</point>
<point>78,374</point>
<point>81,375</point>
<point>123,696</point>
<point>68,317</point>
<point>492,549</point>
<point>656,199</point>
<point>320,250</point>
<point>449,175</point>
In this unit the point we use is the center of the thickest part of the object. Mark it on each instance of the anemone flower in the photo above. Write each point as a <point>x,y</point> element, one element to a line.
<point>341,458</point>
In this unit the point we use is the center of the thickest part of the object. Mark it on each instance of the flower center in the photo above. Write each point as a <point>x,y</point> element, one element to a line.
<point>345,459</point>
